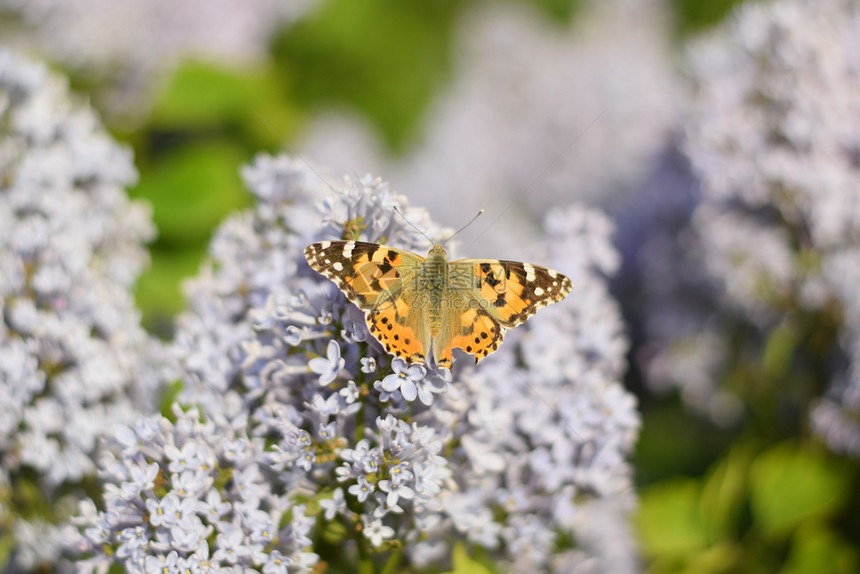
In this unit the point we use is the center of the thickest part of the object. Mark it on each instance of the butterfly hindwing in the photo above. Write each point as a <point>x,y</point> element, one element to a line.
<point>467,326</point>
<point>400,326</point>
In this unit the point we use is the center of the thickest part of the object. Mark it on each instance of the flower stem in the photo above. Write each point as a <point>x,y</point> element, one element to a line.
<point>365,562</point>
<point>393,560</point>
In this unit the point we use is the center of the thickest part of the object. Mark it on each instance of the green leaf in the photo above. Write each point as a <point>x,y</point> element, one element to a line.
<point>464,564</point>
<point>698,14</point>
<point>200,94</point>
<point>7,544</point>
<point>724,558</point>
<point>192,190</point>
<point>669,520</point>
<point>167,399</point>
<point>384,58</point>
<point>158,291</point>
<point>334,532</point>
<point>562,10</point>
<point>780,347</point>
<point>816,549</point>
<point>789,485</point>
<point>724,492</point>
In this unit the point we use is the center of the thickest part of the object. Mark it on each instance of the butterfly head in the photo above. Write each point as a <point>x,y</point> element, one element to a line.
<point>437,249</point>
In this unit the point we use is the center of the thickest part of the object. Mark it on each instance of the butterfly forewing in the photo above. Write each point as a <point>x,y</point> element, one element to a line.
<point>511,291</point>
<point>366,272</point>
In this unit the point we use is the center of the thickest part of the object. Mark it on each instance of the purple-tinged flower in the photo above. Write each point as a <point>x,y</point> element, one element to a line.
<point>163,512</point>
<point>394,491</point>
<point>361,489</point>
<point>329,367</point>
<point>132,542</point>
<point>230,520</point>
<point>277,563</point>
<point>368,365</point>
<point>350,393</point>
<point>142,479</point>
<point>214,507</point>
<point>187,533</point>
<point>74,359</point>
<point>383,507</point>
<point>166,565</point>
<point>405,378</point>
<point>774,232</point>
<point>334,505</point>
<point>375,531</point>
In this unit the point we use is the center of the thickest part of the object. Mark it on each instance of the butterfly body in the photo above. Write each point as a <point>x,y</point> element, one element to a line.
<point>420,307</point>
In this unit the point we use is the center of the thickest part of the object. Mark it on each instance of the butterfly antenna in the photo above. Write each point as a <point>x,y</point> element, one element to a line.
<point>418,229</point>
<point>477,215</point>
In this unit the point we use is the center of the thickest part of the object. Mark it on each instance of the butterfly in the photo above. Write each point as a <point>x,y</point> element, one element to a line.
<point>420,307</point>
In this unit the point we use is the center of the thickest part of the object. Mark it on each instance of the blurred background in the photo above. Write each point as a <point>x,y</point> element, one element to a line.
<point>720,137</point>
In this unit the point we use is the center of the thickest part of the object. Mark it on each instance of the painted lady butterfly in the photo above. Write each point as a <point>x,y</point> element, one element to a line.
<point>414,304</point>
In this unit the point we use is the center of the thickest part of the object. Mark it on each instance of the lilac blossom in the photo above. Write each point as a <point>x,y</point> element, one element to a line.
<point>405,379</point>
<point>772,136</point>
<point>279,364</point>
<point>329,366</point>
<point>74,360</point>
<point>228,515</point>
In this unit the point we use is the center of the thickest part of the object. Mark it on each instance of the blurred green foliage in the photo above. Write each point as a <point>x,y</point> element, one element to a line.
<point>465,564</point>
<point>385,59</point>
<point>696,15</point>
<point>779,509</point>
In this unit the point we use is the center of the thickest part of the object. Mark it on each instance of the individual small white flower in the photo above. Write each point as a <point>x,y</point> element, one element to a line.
<point>395,491</point>
<point>368,365</point>
<point>361,489</point>
<point>350,393</point>
<point>167,565</point>
<point>334,505</point>
<point>375,531</point>
<point>329,367</point>
<point>163,512</point>
<point>405,378</point>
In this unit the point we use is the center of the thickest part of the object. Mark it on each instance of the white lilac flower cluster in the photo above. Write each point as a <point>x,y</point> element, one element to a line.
<point>129,47</point>
<point>773,135</point>
<point>72,350</point>
<point>566,110</point>
<point>524,456</point>
<point>175,486</point>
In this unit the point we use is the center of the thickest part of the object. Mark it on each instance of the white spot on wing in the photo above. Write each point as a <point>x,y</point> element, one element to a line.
<point>553,273</point>
<point>338,266</point>
<point>538,291</point>
<point>530,272</point>
<point>326,244</point>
